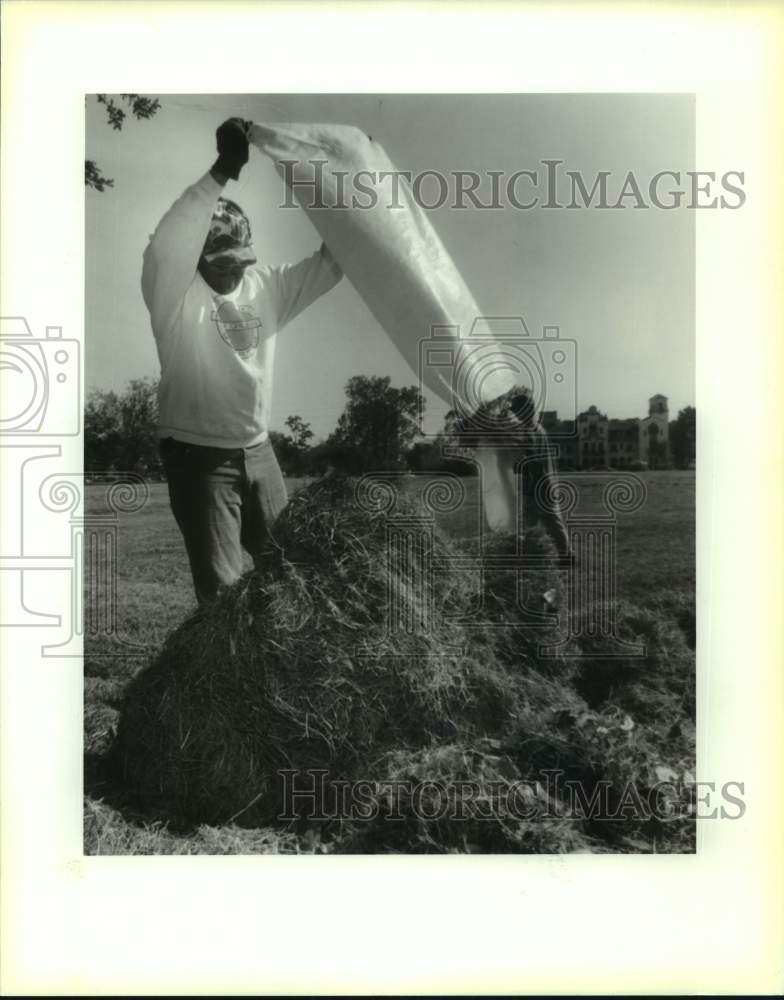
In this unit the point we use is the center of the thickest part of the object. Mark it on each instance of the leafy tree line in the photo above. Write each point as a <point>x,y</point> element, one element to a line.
<point>119,429</point>
<point>683,438</point>
<point>378,430</point>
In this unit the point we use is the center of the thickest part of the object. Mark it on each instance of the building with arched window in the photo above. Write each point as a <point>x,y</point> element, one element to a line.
<point>599,441</point>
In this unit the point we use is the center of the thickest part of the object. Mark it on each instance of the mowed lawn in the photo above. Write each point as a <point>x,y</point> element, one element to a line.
<point>655,555</point>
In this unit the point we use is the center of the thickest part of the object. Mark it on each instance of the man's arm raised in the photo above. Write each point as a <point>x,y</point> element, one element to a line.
<point>173,252</point>
<point>172,255</point>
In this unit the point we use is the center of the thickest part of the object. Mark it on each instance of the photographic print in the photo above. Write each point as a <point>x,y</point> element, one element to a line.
<point>390,447</point>
<point>390,525</point>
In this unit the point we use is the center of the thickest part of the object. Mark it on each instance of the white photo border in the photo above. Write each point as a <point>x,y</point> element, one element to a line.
<point>625,924</point>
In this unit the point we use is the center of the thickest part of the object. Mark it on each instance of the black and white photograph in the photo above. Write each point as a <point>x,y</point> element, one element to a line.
<point>406,405</point>
<point>390,511</point>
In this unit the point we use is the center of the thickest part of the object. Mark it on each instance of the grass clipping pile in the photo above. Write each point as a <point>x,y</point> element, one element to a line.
<point>294,671</point>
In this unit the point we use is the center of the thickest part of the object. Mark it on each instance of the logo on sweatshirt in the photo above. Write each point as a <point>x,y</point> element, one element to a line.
<point>238,326</point>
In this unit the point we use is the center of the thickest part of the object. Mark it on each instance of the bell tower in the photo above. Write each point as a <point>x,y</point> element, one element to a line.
<point>655,433</point>
<point>657,407</point>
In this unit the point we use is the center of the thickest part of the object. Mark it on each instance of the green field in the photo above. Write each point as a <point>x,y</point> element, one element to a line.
<point>655,568</point>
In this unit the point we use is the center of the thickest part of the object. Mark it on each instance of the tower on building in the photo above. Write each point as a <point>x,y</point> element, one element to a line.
<point>657,406</point>
<point>655,433</point>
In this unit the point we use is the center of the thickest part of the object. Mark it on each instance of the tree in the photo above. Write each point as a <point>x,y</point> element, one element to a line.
<point>331,456</point>
<point>120,430</point>
<point>377,427</point>
<point>293,451</point>
<point>426,456</point>
<point>285,451</point>
<point>140,107</point>
<point>139,418</point>
<point>430,456</point>
<point>683,438</point>
<point>102,430</point>
<point>301,431</point>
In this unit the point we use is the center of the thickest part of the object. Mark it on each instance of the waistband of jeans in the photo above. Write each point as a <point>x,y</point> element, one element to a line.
<point>174,445</point>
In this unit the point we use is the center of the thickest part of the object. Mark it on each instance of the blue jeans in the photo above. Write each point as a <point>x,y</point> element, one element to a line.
<point>223,500</point>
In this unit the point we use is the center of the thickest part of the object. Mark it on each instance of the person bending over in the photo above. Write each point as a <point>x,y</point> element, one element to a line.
<point>536,469</point>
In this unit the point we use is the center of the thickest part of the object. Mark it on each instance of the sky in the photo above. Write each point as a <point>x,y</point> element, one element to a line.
<point>620,283</point>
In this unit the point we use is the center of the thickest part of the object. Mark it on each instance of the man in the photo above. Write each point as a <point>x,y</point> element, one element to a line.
<point>537,467</point>
<point>512,439</point>
<point>214,315</point>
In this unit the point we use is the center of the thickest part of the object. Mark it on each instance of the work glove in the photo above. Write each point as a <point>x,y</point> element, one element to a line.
<point>232,142</point>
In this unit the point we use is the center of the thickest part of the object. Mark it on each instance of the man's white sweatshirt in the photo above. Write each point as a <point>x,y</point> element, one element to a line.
<point>217,351</point>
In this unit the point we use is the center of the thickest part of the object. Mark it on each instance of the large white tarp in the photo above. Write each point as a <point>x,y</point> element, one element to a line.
<point>391,254</point>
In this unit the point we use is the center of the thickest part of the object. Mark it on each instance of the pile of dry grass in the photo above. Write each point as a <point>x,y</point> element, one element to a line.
<point>458,798</point>
<point>107,832</point>
<point>293,670</point>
